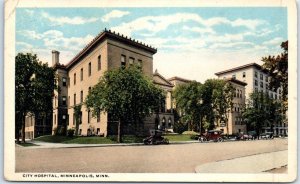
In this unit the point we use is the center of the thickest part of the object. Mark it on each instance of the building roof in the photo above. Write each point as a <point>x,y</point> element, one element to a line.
<point>236,81</point>
<point>239,68</point>
<point>112,35</point>
<point>179,78</point>
<point>166,82</point>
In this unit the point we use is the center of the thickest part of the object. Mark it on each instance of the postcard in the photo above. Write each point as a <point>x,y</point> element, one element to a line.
<point>150,91</point>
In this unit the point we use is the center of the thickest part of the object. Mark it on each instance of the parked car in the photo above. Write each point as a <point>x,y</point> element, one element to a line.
<point>267,135</point>
<point>211,135</point>
<point>155,138</point>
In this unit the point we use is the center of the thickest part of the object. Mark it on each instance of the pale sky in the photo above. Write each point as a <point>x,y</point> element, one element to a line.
<point>192,43</point>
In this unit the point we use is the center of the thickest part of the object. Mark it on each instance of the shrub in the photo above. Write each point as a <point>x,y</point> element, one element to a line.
<point>179,127</point>
<point>194,137</point>
<point>190,133</point>
<point>70,132</point>
<point>59,130</point>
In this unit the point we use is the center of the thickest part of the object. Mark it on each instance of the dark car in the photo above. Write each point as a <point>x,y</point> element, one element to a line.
<point>155,138</point>
<point>212,135</point>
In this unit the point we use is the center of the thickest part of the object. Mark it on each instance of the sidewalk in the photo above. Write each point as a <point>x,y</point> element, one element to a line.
<point>249,164</point>
<point>41,144</point>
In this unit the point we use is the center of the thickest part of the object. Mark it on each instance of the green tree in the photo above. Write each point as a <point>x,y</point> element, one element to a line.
<point>34,85</point>
<point>188,100</point>
<point>261,111</point>
<point>77,116</point>
<point>126,94</point>
<point>222,101</point>
<point>277,68</point>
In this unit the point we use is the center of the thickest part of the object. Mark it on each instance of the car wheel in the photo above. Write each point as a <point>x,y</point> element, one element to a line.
<point>220,139</point>
<point>203,139</point>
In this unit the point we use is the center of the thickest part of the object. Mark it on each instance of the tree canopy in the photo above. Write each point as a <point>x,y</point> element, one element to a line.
<point>188,100</point>
<point>204,103</point>
<point>262,111</point>
<point>34,86</point>
<point>126,94</point>
<point>277,68</point>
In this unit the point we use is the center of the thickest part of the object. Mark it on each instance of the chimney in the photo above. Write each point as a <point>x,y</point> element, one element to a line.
<point>55,57</point>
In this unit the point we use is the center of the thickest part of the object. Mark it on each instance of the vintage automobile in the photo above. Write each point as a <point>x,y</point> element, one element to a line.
<point>211,135</point>
<point>155,138</point>
<point>267,135</point>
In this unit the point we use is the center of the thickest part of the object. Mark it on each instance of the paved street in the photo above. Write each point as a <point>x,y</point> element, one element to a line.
<point>173,158</point>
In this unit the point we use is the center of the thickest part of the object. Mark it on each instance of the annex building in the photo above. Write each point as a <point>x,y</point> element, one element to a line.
<point>257,80</point>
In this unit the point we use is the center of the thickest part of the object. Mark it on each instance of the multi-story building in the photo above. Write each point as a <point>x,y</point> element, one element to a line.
<point>235,122</point>
<point>106,51</point>
<point>257,80</point>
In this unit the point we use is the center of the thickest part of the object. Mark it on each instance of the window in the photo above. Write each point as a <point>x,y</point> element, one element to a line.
<point>98,131</point>
<point>74,118</point>
<point>123,61</point>
<point>261,76</point>
<point>244,74</point>
<point>69,101</point>
<point>54,119</point>
<point>131,61</point>
<point>98,115</point>
<point>275,96</point>
<point>140,64</point>
<point>256,90</point>
<point>267,79</point>
<point>255,74</point>
<point>64,117</point>
<point>99,62</point>
<point>234,94</point>
<point>89,116</point>
<point>261,84</point>
<point>233,76</point>
<point>80,131</point>
<point>74,78</point>
<point>75,99</point>
<point>90,69</point>
<point>267,86</point>
<point>255,83</point>
<point>64,100</point>
<point>64,81</point>
<point>81,96</point>
<point>81,74</point>
<point>241,94</point>
<point>90,89</point>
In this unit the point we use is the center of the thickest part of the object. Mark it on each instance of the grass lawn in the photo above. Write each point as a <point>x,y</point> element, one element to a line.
<point>178,137</point>
<point>89,140</point>
<point>26,144</point>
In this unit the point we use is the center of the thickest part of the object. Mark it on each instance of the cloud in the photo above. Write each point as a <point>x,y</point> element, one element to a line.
<point>67,20</point>
<point>201,30</point>
<point>274,42</point>
<point>162,22</point>
<point>114,14</point>
<point>29,34</point>
<point>231,45</point>
<point>251,24</point>
<point>29,12</point>
<point>24,45</point>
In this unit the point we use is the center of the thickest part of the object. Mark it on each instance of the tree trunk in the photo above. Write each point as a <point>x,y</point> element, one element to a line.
<point>23,128</point>
<point>119,140</point>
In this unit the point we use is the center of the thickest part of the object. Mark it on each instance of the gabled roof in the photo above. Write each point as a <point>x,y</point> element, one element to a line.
<point>179,79</point>
<point>239,68</point>
<point>236,81</point>
<point>165,81</point>
<point>114,36</point>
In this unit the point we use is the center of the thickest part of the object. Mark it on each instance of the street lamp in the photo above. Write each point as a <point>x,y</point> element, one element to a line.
<point>200,102</point>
